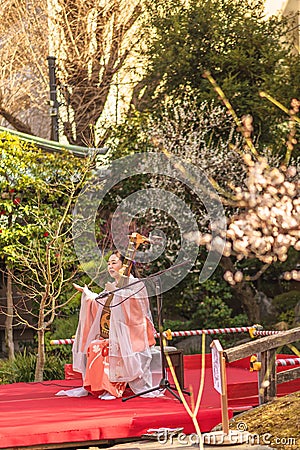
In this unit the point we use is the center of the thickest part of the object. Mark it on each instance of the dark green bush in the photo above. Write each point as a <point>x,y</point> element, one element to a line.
<point>22,368</point>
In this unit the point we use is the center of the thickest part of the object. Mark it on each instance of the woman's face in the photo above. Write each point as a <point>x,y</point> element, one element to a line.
<point>114,265</point>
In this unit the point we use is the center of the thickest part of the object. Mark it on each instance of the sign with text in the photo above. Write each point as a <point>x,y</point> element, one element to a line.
<point>220,383</point>
<point>216,354</point>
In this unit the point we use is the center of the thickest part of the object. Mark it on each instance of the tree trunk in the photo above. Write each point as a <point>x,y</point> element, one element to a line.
<point>246,294</point>
<point>14,121</point>
<point>9,335</point>
<point>40,362</point>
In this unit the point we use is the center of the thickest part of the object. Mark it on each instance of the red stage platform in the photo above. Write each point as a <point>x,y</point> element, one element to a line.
<point>31,414</point>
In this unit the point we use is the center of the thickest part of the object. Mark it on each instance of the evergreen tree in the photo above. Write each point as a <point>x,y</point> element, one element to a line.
<point>245,52</point>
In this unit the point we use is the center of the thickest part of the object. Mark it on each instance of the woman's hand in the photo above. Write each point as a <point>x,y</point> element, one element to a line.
<point>109,287</point>
<point>79,288</point>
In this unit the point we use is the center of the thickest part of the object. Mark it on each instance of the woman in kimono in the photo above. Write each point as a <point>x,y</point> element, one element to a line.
<point>114,354</point>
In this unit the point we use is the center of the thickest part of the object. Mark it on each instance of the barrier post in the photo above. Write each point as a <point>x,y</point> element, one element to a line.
<point>268,376</point>
<point>225,436</point>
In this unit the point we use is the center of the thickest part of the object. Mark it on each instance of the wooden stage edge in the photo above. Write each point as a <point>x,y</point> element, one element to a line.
<point>105,443</point>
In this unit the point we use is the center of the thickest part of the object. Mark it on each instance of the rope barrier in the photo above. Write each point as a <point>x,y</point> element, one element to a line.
<point>288,362</point>
<point>266,333</point>
<point>209,331</point>
<point>61,341</point>
<point>169,334</point>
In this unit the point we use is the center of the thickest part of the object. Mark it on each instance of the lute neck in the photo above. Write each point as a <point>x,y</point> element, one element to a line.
<point>128,260</point>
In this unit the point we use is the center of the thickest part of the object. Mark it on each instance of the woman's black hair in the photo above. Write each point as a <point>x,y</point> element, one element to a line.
<point>134,271</point>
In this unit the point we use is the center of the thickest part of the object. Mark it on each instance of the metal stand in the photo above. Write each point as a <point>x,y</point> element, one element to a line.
<point>164,383</point>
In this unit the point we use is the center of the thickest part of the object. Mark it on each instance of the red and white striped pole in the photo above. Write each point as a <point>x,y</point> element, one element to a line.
<point>288,362</point>
<point>62,341</point>
<point>168,334</point>
<point>266,332</point>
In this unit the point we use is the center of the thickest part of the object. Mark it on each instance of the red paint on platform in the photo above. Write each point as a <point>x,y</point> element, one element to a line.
<point>31,414</point>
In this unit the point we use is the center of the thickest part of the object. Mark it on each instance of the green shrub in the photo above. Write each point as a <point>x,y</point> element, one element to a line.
<point>22,368</point>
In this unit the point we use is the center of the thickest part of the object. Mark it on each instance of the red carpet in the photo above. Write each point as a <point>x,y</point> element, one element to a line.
<point>31,414</point>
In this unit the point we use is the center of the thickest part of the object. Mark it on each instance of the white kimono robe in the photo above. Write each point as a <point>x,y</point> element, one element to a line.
<point>131,336</point>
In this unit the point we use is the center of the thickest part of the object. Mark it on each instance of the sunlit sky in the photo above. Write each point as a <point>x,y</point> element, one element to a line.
<point>272,6</point>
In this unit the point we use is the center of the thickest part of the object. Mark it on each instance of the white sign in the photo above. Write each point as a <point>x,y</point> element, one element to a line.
<point>216,366</point>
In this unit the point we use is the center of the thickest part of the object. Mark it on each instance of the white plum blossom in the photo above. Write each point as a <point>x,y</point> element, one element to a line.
<point>268,222</point>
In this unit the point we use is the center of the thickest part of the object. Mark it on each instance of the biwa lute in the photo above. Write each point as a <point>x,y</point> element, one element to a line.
<point>135,240</point>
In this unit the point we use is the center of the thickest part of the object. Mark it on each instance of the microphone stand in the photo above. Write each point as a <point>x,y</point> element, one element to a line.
<point>164,383</point>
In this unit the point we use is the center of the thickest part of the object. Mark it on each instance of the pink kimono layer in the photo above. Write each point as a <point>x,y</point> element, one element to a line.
<point>97,373</point>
